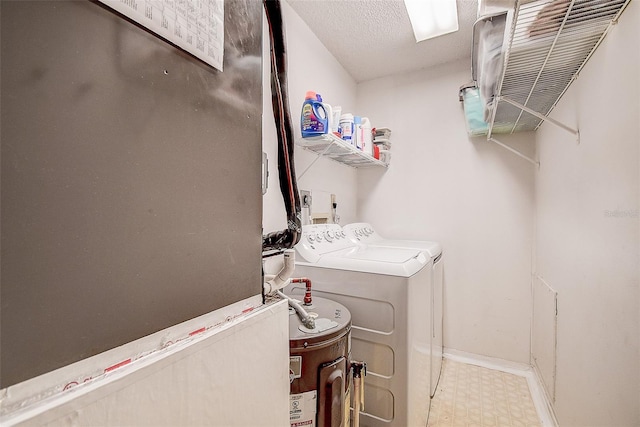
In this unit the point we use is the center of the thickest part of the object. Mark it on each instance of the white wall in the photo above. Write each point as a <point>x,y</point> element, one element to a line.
<point>310,67</point>
<point>471,195</point>
<point>588,234</point>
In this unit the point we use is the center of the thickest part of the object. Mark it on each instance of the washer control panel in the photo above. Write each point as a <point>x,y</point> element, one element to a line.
<point>319,239</point>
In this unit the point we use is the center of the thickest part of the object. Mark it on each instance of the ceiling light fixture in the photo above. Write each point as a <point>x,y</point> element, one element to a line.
<point>432,18</point>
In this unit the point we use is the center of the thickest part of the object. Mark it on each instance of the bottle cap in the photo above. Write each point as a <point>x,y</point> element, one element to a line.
<point>310,95</point>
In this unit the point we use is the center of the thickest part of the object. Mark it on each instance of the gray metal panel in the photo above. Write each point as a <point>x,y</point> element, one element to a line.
<point>131,186</point>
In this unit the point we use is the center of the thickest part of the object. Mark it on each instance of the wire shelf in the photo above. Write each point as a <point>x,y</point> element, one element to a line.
<point>336,149</point>
<point>549,43</point>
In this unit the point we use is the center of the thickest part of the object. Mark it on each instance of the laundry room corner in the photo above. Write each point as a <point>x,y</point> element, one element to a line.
<point>320,213</point>
<point>472,196</point>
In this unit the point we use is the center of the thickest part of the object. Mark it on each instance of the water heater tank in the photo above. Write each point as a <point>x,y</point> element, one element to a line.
<point>319,366</point>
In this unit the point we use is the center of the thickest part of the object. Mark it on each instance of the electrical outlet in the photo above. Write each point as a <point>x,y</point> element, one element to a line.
<point>305,198</point>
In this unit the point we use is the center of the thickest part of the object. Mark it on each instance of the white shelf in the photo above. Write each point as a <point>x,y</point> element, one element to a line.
<point>336,149</point>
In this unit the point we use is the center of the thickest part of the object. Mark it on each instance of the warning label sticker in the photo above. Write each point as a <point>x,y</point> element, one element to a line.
<point>302,409</point>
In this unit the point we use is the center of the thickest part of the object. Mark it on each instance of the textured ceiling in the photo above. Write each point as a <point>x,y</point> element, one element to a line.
<point>373,38</point>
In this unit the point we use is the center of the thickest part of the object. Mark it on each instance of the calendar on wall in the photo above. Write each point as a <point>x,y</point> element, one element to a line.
<point>197,26</point>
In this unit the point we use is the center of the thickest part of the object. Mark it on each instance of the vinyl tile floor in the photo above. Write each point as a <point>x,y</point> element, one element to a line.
<point>470,395</point>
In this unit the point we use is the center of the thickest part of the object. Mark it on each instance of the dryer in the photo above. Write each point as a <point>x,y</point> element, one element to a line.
<point>387,291</point>
<point>364,234</point>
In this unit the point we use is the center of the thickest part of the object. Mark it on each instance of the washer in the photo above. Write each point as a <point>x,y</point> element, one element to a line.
<point>387,291</point>
<point>364,234</point>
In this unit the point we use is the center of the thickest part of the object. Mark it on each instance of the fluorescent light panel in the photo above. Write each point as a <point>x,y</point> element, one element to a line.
<point>432,18</point>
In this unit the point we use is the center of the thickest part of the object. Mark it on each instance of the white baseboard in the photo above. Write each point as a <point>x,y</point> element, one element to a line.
<point>544,395</point>
<point>538,395</point>
<point>503,365</point>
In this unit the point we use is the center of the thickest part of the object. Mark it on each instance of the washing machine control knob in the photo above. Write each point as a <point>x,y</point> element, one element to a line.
<point>311,238</point>
<point>319,237</point>
<point>329,236</point>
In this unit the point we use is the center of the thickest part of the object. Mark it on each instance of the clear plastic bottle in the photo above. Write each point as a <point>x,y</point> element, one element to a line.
<point>367,137</point>
<point>346,127</point>
<point>357,132</point>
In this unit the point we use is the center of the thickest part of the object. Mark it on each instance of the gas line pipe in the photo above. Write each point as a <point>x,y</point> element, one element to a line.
<point>274,282</point>
<point>359,368</point>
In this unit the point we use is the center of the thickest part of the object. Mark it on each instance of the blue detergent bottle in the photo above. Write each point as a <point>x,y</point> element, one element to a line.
<point>314,120</point>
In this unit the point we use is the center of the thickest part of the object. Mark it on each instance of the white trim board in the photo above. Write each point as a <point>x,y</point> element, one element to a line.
<point>39,401</point>
<point>540,401</point>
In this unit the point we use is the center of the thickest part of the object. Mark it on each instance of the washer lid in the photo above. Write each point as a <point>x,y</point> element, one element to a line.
<point>380,254</point>
<point>377,260</point>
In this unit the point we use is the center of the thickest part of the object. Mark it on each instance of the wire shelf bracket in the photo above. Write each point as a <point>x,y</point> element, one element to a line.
<point>514,151</point>
<point>569,129</point>
<point>319,155</point>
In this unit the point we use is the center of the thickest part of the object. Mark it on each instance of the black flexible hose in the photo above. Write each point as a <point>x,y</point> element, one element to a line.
<point>287,238</point>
